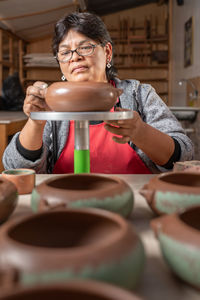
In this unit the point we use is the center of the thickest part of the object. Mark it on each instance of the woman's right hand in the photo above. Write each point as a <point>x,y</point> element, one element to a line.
<point>34,100</point>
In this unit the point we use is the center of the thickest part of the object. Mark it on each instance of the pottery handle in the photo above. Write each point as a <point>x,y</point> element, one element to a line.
<point>146,193</point>
<point>9,278</point>
<point>44,205</point>
<point>157,224</point>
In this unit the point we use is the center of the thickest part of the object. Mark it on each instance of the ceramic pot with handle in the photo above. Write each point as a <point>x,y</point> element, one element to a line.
<point>81,96</point>
<point>179,238</point>
<point>170,192</point>
<point>56,246</point>
<point>84,190</point>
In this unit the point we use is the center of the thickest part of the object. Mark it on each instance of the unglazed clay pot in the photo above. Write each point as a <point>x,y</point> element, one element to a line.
<point>170,192</point>
<point>72,290</point>
<point>84,190</point>
<point>81,96</point>
<point>81,243</point>
<point>179,237</point>
<point>8,198</point>
<point>24,179</point>
<point>185,165</point>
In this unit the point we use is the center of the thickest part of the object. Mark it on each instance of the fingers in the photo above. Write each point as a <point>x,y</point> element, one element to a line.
<point>121,140</point>
<point>124,132</point>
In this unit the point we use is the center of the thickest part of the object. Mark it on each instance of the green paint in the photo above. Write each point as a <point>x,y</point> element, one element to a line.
<point>125,272</point>
<point>183,258</point>
<point>122,204</point>
<point>170,202</point>
<point>35,199</point>
<point>18,172</point>
<point>81,161</point>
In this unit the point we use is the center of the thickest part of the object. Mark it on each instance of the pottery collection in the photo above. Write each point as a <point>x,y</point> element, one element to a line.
<point>81,96</point>
<point>173,191</point>
<point>24,179</point>
<point>72,290</point>
<point>8,199</point>
<point>179,238</point>
<point>68,244</point>
<point>84,190</point>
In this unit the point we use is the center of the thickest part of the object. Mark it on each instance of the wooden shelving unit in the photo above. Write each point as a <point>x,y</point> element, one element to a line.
<point>143,48</point>
<point>11,54</point>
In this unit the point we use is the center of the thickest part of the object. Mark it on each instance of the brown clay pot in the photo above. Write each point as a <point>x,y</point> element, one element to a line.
<point>179,237</point>
<point>56,246</point>
<point>73,290</point>
<point>24,179</point>
<point>8,198</point>
<point>84,190</point>
<point>81,96</point>
<point>185,165</point>
<point>170,192</point>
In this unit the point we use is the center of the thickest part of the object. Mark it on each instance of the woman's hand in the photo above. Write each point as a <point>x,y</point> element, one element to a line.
<point>157,145</point>
<point>34,100</point>
<point>126,130</point>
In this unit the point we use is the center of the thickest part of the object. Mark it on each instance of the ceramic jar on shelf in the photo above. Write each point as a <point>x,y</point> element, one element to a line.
<point>8,198</point>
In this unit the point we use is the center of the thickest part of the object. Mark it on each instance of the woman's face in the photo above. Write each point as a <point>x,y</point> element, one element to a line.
<point>84,68</point>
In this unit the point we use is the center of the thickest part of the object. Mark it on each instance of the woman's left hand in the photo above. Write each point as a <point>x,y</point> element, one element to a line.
<point>126,130</point>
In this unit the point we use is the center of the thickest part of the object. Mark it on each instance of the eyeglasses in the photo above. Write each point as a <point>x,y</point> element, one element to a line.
<point>83,50</point>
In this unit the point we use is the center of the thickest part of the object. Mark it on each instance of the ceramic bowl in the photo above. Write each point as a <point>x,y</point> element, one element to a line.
<point>185,165</point>
<point>84,190</point>
<point>82,243</point>
<point>170,192</point>
<point>73,290</point>
<point>179,237</point>
<point>24,179</point>
<point>81,96</point>
<point>8,198</point>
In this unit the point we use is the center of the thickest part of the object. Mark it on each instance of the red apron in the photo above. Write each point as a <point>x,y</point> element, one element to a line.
<point>106,156</point>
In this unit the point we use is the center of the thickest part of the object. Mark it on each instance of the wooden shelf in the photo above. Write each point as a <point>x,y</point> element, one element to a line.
<point>40,67</point>
<point>162,66</point>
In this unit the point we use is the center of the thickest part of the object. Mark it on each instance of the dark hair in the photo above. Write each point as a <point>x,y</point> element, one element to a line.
<point>87,24</point>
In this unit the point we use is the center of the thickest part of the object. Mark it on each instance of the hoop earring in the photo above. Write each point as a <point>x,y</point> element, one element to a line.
<point>63,78</point>
<point>108,65</point>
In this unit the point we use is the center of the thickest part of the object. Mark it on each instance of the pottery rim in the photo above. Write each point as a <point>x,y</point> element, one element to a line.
<point>123,226</point>
<point>18,172</point>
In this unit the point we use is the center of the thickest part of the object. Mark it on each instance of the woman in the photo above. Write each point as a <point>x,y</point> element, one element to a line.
<point>150,142</point>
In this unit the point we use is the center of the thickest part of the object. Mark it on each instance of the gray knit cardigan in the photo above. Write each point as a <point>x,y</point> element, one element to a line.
<point>136,96</point>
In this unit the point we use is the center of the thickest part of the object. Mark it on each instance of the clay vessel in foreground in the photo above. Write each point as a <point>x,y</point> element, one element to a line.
<point>170,192</point>
<point>72,290</point>
<point>81,96</point>
<point>84,190</point>
<point>24,179</point>
<point>179,237</point>
<point>80,243</point>
<point>8,198</point>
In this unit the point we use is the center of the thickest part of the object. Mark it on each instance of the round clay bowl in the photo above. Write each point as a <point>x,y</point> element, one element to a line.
<point>170,192</point>
<point>81,96</point>
<point>84,190</point>
<point>24,179</point>
<point>82,243</point>
<point>186,165</point>
<point>73,290</point>
<point>179,237</point>
<point>8,198</point>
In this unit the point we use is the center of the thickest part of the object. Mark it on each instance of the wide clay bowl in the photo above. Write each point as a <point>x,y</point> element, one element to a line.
<point>8,198</point>
<point>81,243</point>
<point>24,179</point>
<point>84,190</point>
<point>179,237</point>
<point>81,96</point>
<point>170,192</point>
<point>72,290</point>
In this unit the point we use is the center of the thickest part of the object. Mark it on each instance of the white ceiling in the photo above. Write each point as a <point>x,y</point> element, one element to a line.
<point>33,19</point>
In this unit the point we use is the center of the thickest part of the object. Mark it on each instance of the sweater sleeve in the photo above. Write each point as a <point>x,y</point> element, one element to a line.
<point>156,113</point>
<point>13,159</point>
